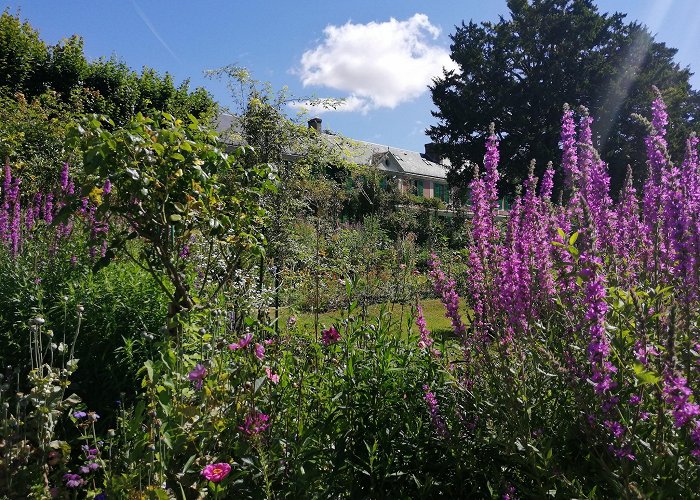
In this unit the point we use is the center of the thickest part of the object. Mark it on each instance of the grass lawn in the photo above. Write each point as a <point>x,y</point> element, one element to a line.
<point>433,310</point>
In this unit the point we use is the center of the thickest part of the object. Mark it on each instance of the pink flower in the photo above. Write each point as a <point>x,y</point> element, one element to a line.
<point>242,343</point>
<point>197,375</point>
<point>272,376</point>
<point>330,336</point>
<point>259,351</point>
<point>216,472</point>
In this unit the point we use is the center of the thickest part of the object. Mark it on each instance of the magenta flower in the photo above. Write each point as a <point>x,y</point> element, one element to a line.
<point>510,493</point>
<point>90,452</point>
<point>216,472</point>
<point>330,336</point>
<point>255,423</point>
<point>446,288</point>
<point>434,410</point>
<point>695,436</point>
<point>677,394</point>
<point>197,375</point>
<point>259,351</point>
<point>48,208</point>
<point>73,481</point>
<point>425,339</point>
<point>242,343</point>
<point>624,452</point>
<point>616,428</point>
<point>64,177</point>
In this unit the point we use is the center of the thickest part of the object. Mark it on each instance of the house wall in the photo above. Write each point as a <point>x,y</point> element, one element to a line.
<point>406,186</point>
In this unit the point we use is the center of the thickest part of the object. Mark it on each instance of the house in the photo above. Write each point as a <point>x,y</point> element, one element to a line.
<point>420,174</point>
<point>414,172</point>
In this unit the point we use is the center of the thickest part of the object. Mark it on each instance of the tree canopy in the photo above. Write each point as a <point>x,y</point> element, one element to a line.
<point>520,71</point>
<point>30,67</point>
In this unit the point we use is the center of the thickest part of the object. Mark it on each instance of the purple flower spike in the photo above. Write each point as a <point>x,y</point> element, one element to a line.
<point>434,410</point>
<point>64,177</point>
<point>255,423</point>
<point>425,338</point>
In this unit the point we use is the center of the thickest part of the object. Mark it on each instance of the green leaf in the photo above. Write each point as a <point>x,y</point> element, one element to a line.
<point>177,156</point>
<point>188,463</point>
<point>259,382</point>
<point>149,369</point>
<point>645,376</point>
<point>166,439</point>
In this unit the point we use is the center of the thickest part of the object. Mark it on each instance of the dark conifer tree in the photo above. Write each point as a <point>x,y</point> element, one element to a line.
<point>520,71</point>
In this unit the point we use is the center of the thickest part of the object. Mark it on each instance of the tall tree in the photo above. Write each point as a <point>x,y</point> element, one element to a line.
<point>106,86</point>
<point>520,71</point>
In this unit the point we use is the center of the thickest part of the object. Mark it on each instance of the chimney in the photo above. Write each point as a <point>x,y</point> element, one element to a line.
<point>315,123</point>
<point>431,152</point>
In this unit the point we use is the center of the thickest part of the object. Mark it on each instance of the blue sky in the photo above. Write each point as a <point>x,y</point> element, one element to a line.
<point>379,54</point>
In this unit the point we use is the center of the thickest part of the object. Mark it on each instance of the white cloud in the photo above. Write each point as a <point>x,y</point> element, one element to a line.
<point>377,64</point>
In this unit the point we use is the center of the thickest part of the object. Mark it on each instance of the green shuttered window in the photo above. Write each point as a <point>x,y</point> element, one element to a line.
<point>418,184</point>
<point>442,192</point>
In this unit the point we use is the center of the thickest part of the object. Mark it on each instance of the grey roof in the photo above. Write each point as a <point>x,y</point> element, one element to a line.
<point>229,128</point>
<point>400,160</point>
<point>360,152</point>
